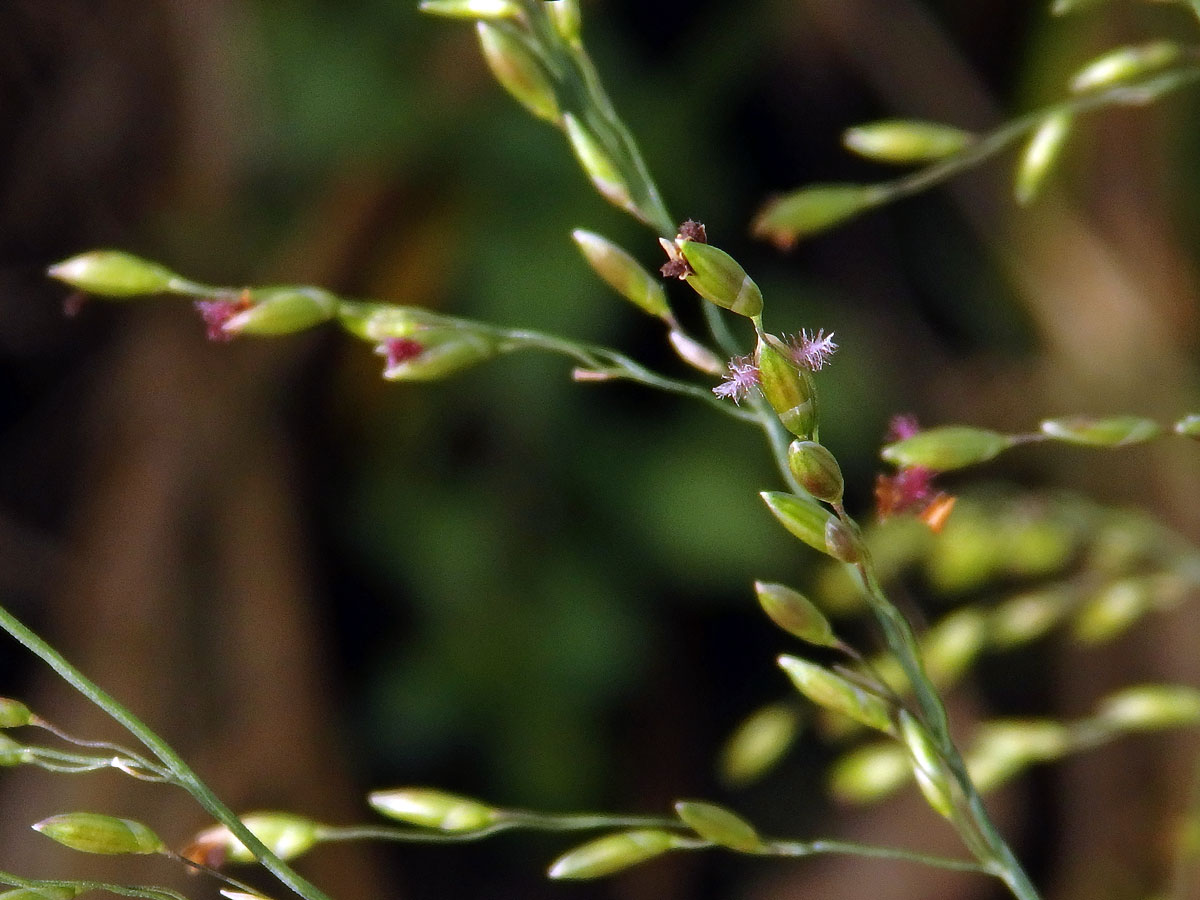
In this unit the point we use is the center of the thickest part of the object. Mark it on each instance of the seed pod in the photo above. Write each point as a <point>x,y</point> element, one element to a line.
<point>1125,63</point>
<point>282,310</point>
<point>380,321</point>
<point>1062,7</point>
<point>930,772</point>
<point>695,354</point>
<point>113,273</point>
<point>436,353</point>
<point>795,614</point>
<point>1026,617</point>
<point>623,273</point>
<point>1189,426</point>
<point>14,713</point>
<point>789,390</point>
<point>841,542</point>
<point>1116,431</point>
<point>1147,707</point>
<point>719,278</point>
<point>945,448</point>
<point>759,742</point>
<point>1001,749</point>
<point>904,141</point>
<point>870,772</point>
<point>811,210</point>
<point>1112,610</point>
<point>804,518</point>
<point>518,69</point>
<point>432,808</point>
<point>12,753</point>
<point>817,470</point>
<point>952,645</point>
<point>718,825</point>
<point>598,165</point>
<point>832,691</point>
<point>1041,153</point>
<point>612,853</point>
<point>566,18</point>
<point>284,834</point>
<point>95,833</point>
<point>471,9</point>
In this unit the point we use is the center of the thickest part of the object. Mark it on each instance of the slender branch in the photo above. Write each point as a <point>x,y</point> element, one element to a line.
<point>182,775</point>
<point>1133,93</point>
<point>123,890</point>
<point>513,820</point>
<point>810,848</point>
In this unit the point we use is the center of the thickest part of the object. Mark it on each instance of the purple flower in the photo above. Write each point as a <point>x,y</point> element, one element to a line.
<point>742,377</point>
<point>216,313</point>
<point>397,351</point>
<point>812,351</point>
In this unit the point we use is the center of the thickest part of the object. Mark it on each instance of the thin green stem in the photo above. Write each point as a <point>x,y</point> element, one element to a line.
<point>512,820</point>
<point>810,848</point>
<point>122,890</point>
<point>976,828</point>
<point>181,773</point>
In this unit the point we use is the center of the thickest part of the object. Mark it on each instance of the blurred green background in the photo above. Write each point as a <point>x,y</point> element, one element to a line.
<point>315,583</point>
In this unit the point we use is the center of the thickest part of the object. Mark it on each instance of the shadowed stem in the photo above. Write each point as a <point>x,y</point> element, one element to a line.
<point>181,774</point>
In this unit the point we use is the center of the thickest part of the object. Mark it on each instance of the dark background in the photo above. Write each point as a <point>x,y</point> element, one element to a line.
<point>314,583</point>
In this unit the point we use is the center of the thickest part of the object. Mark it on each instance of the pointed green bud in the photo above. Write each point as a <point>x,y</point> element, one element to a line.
<point>436,353</point>
<point>795,614</point>
<point>929,770</point>
<point>833,692</point>
<point>718,825</point>
<point>282,310</point>
<point>789,390</point>
<point>804,518</point>
<point>623,273</point>
<point>48,892</point>
<point>612,853</point>
<point>759,742</point>
<point>112,273</point>
<point>598,165</point>
<point>471,9</point>
<point>817,470</point>
<point>1125,63</point>
<point>1189,426</point>
<point>1116,431</point>
<point>695,354</point>
<point>12,753</point>
<point>811,210</point>
<point>380,321</point>
<point>286,835</point>
<point>905,141</point>
<point>1040,155</point>
<point>518,69</point>
<point>14,713</point>
<point>870,772</point>
<point>95,833</point>
<point>432,808</point>
<point>719,278</point>
<point>566,18</point>
<point>945,448</point>
<point>1147,707</point>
